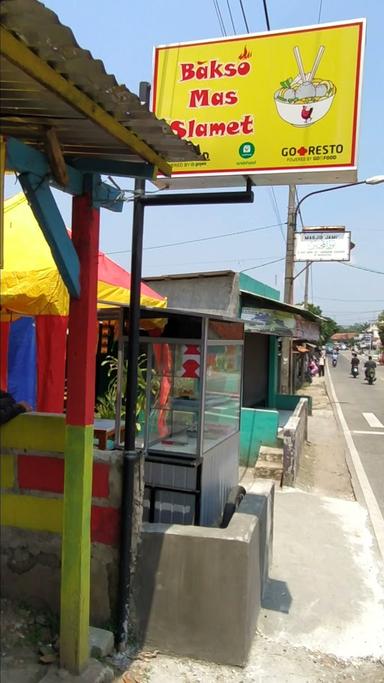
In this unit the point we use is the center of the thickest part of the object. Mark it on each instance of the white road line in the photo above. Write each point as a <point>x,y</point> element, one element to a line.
<point>360,431</point>
<point>370,500</point>
<point>372,420</point>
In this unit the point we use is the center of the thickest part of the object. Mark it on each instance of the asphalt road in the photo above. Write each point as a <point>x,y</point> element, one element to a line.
<point>363,409</point>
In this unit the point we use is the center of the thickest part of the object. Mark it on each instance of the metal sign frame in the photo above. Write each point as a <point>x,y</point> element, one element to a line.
<point>317,236</point>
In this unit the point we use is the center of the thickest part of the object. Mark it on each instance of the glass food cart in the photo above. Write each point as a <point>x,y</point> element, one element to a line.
<point>189,424</point>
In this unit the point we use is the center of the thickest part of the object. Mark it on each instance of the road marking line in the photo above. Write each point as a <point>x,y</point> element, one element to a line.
<point>372,420</point>
<point>359,431</point>
<point>374,511</point>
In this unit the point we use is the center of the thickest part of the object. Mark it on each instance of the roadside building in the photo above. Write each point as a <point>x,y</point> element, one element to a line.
<point>237,295</point>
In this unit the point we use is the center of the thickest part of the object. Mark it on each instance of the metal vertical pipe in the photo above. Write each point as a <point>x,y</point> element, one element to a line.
<point>130,455</point>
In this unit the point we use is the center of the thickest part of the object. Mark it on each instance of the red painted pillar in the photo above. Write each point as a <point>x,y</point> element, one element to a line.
<point>82,337</point>
<point>76,546</point>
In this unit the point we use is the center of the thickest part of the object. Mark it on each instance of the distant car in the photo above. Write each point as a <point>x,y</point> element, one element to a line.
<point>329,348</point>
<point>343,347</point>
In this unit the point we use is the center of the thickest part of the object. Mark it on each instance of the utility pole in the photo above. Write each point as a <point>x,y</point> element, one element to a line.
<point>286,346</point>
<point>306,284</point>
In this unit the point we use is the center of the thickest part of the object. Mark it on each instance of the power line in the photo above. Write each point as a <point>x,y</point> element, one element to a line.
<point>266,15</point>
<point>201,239</point>
<point>268,263</point>
<point>244,17</point>
<point>220,17</point>
<point>222,260</point>
<point>275,208</point>
<point>320,8</point>
<point>325,298</point>
<point>333,312</point>
<point>231,17</point>
<point>368,270</point>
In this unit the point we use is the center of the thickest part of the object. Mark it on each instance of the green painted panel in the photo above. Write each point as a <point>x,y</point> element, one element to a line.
<point>249,284</point>
<point>257,427</point>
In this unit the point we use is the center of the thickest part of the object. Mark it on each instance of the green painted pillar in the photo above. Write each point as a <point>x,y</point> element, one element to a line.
<point>78,452</point>
<point>272,371</point>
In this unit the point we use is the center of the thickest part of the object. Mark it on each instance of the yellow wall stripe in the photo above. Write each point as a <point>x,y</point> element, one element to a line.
<point>7,471</point>
<point>30,512</point>
<point>34,432</point>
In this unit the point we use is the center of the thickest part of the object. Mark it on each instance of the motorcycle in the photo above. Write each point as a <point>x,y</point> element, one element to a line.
<point>354,371</point>
<point>334,362</point>
<point>370,375</point>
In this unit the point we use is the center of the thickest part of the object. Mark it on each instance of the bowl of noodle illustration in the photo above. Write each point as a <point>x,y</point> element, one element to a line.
<point>305,99</point>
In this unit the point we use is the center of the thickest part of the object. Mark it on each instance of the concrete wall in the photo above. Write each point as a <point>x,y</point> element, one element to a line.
<point>294,437</point>
<point>198,590</point>
<point>212,293</point>
<point>32,482</point>
<point>257,427</point>
<point>290,402</point>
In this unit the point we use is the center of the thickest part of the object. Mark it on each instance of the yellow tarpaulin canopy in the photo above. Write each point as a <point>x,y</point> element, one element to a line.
<point>30,281</point>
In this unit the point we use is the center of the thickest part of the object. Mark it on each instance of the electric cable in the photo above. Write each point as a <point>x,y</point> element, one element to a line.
<point>320,8</point>
<point>219,17</point>
<point>244,17</point>
<point>268,263</point>
<point>231,16</point>
<point>266,15</point>
<point>276,211</point>
<point>368,270</point>
<point>235,260</point>
<point>325,298</point>
<point>201,239</point>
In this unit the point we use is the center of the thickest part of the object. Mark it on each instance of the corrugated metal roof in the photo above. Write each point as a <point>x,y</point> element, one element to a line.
<point>27,106</point>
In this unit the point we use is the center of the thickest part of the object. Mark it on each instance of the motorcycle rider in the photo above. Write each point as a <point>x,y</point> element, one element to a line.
<point>334,357</point>
<point>354,362</point>
<point>370,364</point>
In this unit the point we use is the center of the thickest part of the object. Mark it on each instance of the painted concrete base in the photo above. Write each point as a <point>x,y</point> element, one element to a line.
<point>198,589</point>
<point>95,672</point>
<point>294,437</point>
<point>30,571</point>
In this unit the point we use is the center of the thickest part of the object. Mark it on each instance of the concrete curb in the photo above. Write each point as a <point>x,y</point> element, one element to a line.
<point>356,487</point>
<point>360,483</point>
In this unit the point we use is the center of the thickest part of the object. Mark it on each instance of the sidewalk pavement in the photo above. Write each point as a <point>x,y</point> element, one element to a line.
<point>323,610</point>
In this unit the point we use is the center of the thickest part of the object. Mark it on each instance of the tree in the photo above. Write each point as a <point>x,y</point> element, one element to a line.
<point>328,326</point>
<point>380,324</point>
<point>356,327</point>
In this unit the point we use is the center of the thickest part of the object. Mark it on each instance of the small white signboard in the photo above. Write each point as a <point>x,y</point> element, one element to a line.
<point>322,246</point>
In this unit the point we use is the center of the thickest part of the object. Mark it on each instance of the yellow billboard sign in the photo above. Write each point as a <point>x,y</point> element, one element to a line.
<point>267,103</point>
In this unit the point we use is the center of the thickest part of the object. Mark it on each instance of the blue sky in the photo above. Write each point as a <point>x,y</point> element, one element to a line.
<point>123,34</point>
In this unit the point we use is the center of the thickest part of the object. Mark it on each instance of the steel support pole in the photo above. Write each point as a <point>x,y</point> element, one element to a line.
<point>286,347</point>
<point>131,457</point>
